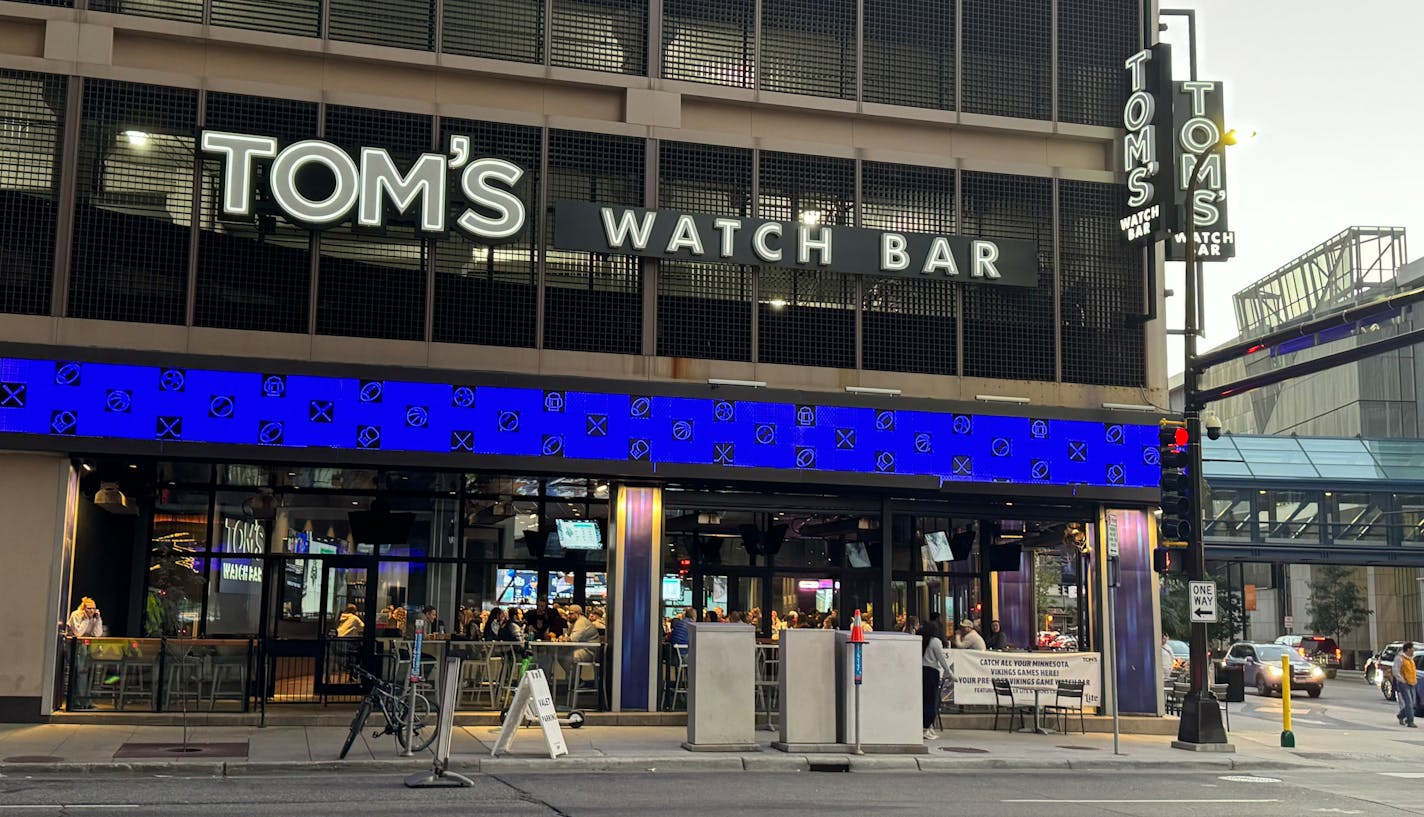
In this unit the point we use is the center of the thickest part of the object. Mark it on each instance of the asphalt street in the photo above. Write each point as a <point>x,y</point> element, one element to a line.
<point>989,794</point>
<point>1347,705</point>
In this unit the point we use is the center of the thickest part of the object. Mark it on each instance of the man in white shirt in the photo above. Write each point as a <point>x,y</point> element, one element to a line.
<point>966,637</point>
<point>580,630</point>
<point>1168,659</point>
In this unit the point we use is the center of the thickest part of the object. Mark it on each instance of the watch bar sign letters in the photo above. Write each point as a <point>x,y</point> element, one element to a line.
<point>672,234</point>
<point>1147,148</point>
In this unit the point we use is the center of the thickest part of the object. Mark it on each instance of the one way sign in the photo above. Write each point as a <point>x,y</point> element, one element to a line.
<point>1203,602</point>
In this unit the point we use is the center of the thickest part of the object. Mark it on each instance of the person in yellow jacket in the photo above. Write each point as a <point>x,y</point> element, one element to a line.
<point>1405,676</point>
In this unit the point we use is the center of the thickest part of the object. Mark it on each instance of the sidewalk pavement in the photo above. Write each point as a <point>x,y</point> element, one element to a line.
<point>247,750</point>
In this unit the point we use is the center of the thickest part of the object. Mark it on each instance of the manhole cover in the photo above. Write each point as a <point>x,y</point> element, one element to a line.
<point>151,750</point>
<point>32,759</point>
<point>1079,748</point>
<point>964,750</point>
<point>1246,778</point>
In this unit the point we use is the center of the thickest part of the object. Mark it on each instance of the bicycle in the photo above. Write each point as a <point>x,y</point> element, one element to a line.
<point>394,706</point>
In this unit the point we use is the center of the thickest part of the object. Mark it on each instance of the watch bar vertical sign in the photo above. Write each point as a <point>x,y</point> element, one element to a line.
<point>1147,147</point>
<point>1199,120</point>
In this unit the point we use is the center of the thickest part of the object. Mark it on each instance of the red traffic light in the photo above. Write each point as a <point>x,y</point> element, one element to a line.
<point>1173,434</point>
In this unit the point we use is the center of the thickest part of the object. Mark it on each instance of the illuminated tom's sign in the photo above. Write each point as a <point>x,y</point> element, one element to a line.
<point>243,536</point>
<point>319,185</point>
<point>1147,147</point>
<point>1200,117</point>
<point>598,228</point>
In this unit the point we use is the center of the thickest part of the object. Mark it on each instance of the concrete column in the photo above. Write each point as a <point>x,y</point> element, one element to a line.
<point>889,694</point>
<point>807,689</point>
<point>721,670</point>
<point>37,493</point>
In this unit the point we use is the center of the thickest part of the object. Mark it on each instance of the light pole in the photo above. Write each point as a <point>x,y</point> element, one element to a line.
<point>1201,714</point>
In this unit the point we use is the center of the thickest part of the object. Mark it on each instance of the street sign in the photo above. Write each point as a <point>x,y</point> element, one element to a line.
<point>1113,550</point>
<point>1203,602</point>
<point>1289,623</point>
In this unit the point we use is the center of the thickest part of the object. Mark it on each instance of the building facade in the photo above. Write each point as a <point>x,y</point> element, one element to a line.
<point>305,305</point>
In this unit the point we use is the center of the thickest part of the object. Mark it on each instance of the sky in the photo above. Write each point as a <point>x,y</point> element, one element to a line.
<point>1335,91</point>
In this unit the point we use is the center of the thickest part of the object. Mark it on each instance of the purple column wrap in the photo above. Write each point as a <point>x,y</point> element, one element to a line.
<point>1137,674</point>
<point>636,602</point>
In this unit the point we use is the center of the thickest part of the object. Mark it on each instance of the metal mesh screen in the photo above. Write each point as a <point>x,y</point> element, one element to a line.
<point>909,53</point>
<point>374,285</point>
<point>1095,37</point>
<point>819,189</point>
<point>705,310</point>
<point>496,29</point>
<point>33,110</point>
<point>808,47</point>
<point>188,11</point>
<point>252,274</point>
<point>486,294</point>
<point>1101,290</point>
<point>133,203</point>
<point>592,302</point>
<point>600,35</point>
<point>395,23</point>
<point>806,318</point>
<point>908,325</point>
<point>1008,331</point>
<point>709,42</point>
<point>1007,70</point>
<point>298,17</point>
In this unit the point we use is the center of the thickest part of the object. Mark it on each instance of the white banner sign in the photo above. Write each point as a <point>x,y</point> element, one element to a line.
<point>975,672</point>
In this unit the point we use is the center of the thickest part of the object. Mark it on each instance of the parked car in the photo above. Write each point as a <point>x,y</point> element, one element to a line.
<point>1320,649</point>
<point>1261,666</point>
<point>1386,666</point>
<point>1181,655</point>
<point>1380,661</point>
<point>1064,642</point>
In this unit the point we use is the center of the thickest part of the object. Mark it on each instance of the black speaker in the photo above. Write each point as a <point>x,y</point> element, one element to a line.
<point>961,543</point>
<point>771,542</point>
<point>380,525</point>
<point>1004,558</point>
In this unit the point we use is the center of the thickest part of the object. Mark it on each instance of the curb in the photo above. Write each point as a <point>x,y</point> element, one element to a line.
<point>759,762</point>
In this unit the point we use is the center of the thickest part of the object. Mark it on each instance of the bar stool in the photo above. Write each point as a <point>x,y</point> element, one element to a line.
<point>182,681</point>
<point>135,682</point>
<point>229,682</point>
<point>679,676</point>
<point>581,685</point>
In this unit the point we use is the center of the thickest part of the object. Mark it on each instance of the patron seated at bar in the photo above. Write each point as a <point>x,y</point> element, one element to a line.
<point>997,639</point>
<point>544,623</point>
<point>966,637</point>
<point>500,627</point>
<point>581,630</point>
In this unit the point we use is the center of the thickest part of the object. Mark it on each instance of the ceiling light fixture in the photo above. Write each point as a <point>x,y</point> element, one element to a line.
<point>1000,398</point>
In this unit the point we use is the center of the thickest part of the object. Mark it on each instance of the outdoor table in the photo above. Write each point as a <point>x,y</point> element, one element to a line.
<point>1038,727</point>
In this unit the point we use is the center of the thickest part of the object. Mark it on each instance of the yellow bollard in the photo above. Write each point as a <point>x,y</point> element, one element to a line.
<point>1287,736</point>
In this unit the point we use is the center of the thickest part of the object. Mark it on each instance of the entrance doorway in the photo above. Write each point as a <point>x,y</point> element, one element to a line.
<point>313,643</point>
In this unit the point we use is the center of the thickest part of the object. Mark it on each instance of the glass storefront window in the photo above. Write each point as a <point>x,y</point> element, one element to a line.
<point>234,596</point>
<point>175,594</point>
<point>1411,518</point>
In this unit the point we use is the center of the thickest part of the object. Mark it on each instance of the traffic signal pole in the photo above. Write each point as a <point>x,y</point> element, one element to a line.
<point>1200,727</point>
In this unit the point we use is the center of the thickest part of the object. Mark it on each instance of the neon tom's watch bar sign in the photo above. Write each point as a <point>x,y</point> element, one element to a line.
<point>318,185</point>
<point>1147,147</point>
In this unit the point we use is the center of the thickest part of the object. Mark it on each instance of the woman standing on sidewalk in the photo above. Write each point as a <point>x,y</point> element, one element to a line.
<point>932,662</point>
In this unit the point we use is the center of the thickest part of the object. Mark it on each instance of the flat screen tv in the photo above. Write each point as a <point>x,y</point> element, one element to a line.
<point>938,543</point>
<point>580,534</point>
